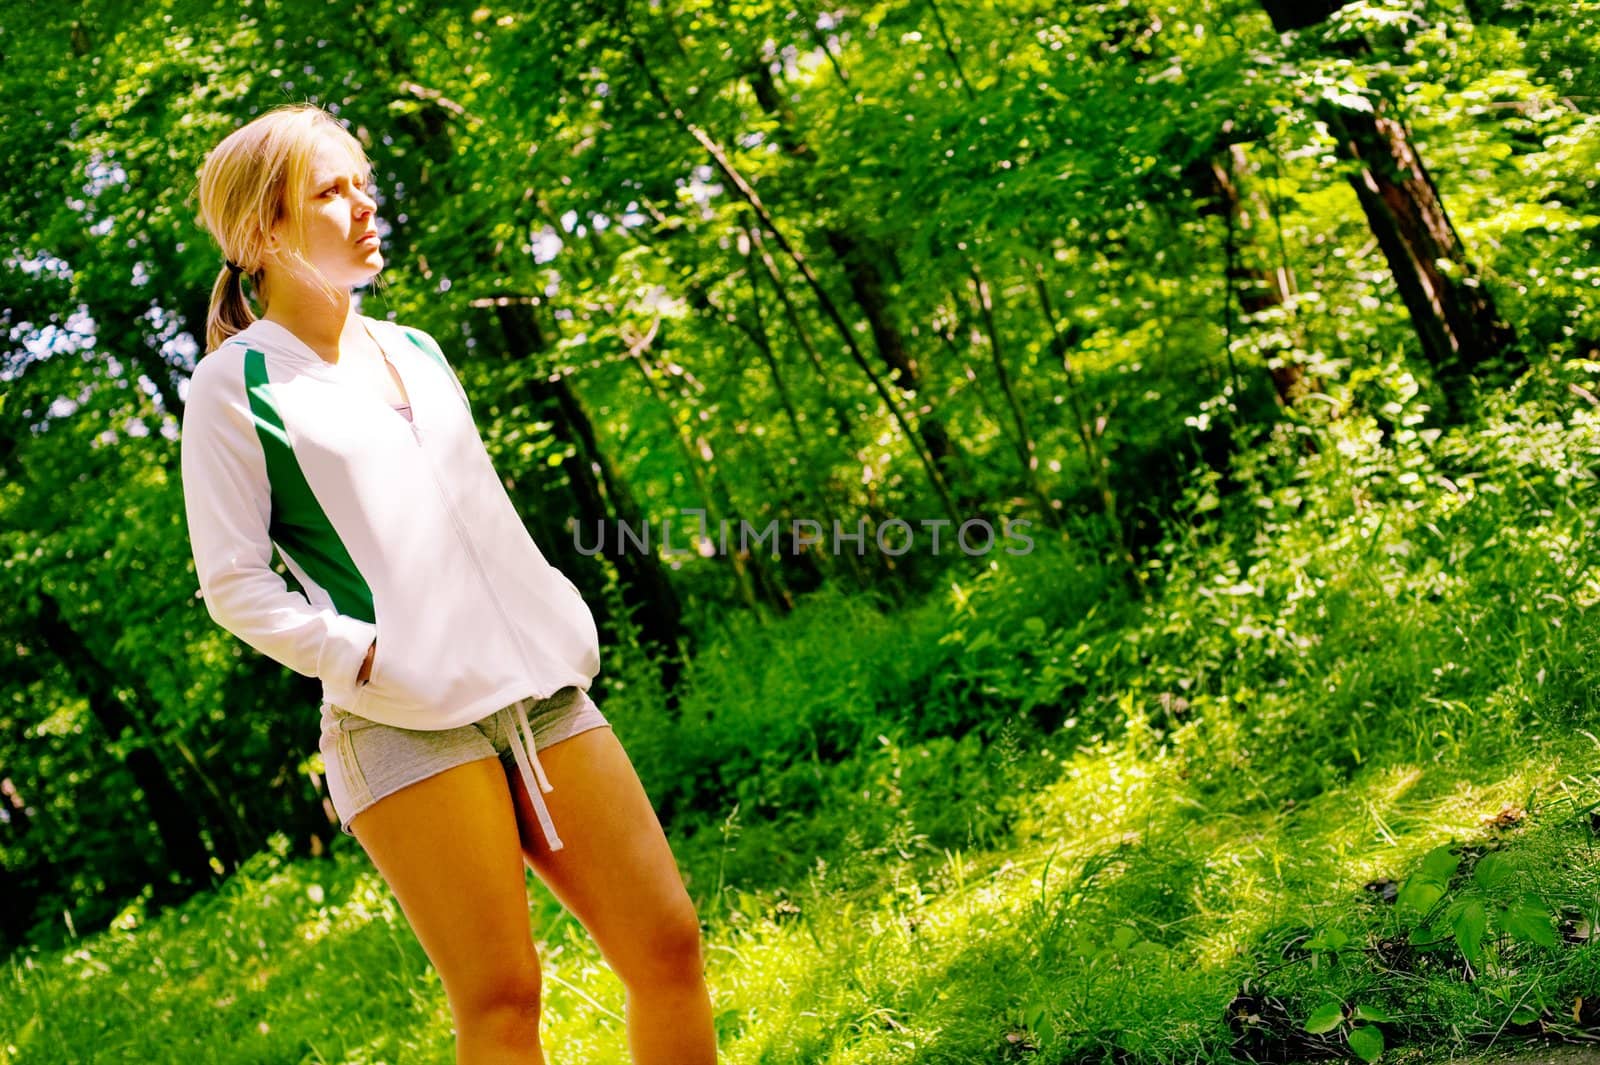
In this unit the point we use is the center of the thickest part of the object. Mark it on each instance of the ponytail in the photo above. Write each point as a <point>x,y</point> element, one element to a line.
<point>230,312</point>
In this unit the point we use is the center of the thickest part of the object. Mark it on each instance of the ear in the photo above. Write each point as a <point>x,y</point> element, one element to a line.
<point>272,246</point>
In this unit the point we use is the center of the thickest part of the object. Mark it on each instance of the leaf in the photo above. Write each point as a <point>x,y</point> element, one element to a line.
<point>1470,925</point>
<point>1045,1032</point>
<point>1420,893</point>
<point>1331,939</point>
<point>1372,1013</point>
<point>1325,1018</point>
<point>1366,1042</point>
<point>1528,921</point>
<point>1421,938</point>
<point>1440,864</point>
<point>1491,871</point>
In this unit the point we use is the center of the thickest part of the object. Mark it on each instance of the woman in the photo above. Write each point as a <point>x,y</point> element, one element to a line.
<point>455,661</point>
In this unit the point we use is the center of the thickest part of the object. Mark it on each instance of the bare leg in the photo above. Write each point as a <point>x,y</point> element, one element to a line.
<point>448,848</point>
<point>617,876</point>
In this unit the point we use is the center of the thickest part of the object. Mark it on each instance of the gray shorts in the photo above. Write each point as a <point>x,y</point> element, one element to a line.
<point>366,761</point>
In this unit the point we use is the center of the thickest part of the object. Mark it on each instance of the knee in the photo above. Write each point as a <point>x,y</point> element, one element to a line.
<point>670,953</point>
<point>505,996</point>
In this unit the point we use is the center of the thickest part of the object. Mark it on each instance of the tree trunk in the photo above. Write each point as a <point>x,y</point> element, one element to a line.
<point>791,313</point>
<point>861,270</point>
<point>1454,315</point>
<point>813,490</point>
<point>803,266</point>
<point>1088,432</point>
<point>696,454</point>
<point>1215,181</point>
<point>1027,458</point>
<point>600,495</point>
<point>172,812</point>
<point>1298,14</point>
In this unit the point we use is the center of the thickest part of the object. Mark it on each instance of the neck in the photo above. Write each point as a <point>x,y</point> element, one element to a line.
<point>323,325</point>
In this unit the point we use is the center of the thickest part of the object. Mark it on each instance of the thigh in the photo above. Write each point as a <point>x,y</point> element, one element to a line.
<point>448,847</point>
<point>615,872</point>
<point>366,761</point>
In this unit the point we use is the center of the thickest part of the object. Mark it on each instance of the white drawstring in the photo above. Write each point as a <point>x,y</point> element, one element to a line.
<point>533,777</point>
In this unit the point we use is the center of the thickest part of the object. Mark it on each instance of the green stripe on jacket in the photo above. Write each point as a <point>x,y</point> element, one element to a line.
<point>299,525</point>
<point>431,347</point>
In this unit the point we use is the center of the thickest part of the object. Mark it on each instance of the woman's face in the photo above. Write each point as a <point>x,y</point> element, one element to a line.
<point>340,216</point>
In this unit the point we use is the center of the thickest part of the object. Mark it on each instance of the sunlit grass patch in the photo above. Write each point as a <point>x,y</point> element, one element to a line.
<point>1341,766</point>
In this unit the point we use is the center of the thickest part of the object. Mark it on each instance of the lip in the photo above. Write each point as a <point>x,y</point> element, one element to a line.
<point>370,234</point>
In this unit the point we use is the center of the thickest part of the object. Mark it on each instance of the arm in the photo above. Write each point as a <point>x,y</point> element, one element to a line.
<point>228,504</point>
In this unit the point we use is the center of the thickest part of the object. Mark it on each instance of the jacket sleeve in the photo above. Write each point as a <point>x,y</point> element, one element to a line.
<point>228,505</point>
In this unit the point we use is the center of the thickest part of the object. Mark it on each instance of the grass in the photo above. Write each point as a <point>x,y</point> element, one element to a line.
<point>1123,917</point>
<point>1036,819</point>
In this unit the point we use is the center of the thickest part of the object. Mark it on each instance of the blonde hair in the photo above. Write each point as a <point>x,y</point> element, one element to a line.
<point>244,190</point>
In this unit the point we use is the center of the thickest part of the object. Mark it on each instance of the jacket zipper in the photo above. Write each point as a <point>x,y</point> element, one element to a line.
<point>455,519</point>
<point>466,542</point>
<point>411,422</point>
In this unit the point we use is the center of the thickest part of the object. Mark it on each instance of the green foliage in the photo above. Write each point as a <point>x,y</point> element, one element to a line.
<point>1114,799</point>
<point>1130,886</point>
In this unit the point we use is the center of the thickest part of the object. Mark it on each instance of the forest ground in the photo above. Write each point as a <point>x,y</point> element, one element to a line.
<point>1328,789</point>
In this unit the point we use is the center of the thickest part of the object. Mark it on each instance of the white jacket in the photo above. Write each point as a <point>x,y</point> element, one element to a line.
<point>397,531</point>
